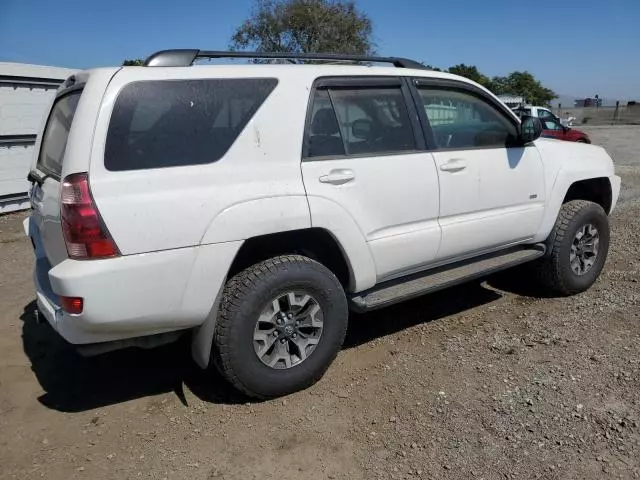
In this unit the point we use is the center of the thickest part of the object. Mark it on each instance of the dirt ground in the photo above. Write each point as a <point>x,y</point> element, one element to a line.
<point>489,380</point>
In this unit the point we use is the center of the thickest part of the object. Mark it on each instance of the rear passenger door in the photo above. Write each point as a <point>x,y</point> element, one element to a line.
<point>364,154</point>
<point>491,186</point>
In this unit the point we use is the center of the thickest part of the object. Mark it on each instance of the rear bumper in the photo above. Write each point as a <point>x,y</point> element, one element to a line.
<point>135,295</point>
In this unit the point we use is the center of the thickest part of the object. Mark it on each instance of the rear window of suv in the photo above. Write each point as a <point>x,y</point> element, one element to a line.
<point>56,133</point>
<point>168,123</point>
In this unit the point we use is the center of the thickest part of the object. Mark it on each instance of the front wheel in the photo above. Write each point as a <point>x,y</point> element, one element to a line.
<point>577,248</point>
<point>281,323</point>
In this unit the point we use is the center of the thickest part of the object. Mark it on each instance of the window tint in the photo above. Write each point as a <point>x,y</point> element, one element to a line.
<point>461,120</point>
<point>54,141</point>
<point>545,114</point>
<point>324,134</point>
<point>158,124</point>
<point>373,120</point>
<point>359,121</point>
<point>551,125</point>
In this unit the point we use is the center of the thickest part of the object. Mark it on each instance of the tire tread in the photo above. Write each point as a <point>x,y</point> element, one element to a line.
<point>235,291</point>
<point>549,271</point>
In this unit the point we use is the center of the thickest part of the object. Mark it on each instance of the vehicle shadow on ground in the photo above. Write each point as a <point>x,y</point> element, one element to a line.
<point>366,327</point>
<point>519,282</point>
<point>73,383</point>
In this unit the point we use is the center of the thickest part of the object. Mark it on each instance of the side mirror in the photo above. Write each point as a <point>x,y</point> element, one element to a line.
<point>530,129</point>
<point>362,129</point>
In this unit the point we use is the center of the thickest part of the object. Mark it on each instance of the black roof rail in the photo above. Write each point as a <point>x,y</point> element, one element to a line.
<point>186,57</point>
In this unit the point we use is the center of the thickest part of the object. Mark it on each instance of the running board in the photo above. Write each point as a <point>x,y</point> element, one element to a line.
<point>413,286</point>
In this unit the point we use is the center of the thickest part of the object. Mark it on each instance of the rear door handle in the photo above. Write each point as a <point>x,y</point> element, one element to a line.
<point>338,176</point>
<point>454,165</point>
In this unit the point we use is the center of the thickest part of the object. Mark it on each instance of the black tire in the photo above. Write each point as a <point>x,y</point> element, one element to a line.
<point>244,298</point>
<point>554,270</point>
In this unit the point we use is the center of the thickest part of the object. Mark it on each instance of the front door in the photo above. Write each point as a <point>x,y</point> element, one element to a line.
<point>491,189</point>
<point>364,154</point>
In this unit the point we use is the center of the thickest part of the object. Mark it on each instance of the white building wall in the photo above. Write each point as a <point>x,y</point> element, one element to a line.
<point>26,91</point>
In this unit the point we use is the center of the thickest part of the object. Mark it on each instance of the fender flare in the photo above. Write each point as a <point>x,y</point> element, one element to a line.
<point>277,215</point>
<point>558,193</point>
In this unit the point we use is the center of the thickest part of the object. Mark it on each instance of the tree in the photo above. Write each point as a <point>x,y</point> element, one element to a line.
<point>500,86</point>
<point>524,84</point>
<point>305,26</point>
<point>471,72</point>
<point>134,62</point>
<point>516,83</point>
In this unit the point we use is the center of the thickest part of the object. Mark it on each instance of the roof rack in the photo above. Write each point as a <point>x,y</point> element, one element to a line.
<point>186,57</point>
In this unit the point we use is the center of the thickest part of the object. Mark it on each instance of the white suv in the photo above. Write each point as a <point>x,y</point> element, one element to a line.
<point>253,205</point>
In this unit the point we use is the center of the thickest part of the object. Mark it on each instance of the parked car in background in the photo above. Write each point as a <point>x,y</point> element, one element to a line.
<point>533,111</point>
<point>552,128</point>
<point>542,113</point>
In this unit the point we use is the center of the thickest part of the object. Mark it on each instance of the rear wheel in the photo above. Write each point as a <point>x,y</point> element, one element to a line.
<point>578,247</point>
<point>281,324</point>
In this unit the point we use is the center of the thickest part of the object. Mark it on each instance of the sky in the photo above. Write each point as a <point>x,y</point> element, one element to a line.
<point>576,47</point>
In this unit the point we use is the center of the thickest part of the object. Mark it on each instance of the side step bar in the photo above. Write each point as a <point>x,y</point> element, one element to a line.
<point>406,288</point>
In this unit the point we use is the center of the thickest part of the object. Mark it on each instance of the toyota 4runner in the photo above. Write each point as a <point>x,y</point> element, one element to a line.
<point>254,205</point>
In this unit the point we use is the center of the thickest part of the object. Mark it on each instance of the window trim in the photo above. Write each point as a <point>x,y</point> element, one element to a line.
<point>457,86</point>
<point>363,82</point>
<point>60,95</point>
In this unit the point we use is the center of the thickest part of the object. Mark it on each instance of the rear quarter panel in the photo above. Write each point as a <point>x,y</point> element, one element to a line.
<point>255,188</point>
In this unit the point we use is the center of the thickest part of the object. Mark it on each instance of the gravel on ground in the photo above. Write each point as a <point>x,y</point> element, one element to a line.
<point>488,380</point>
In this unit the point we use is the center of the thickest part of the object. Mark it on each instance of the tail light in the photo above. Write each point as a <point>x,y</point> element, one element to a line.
<point>72,305</point>
<point>84,232</point>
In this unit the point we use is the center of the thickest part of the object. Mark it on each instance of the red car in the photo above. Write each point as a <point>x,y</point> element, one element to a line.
<point>551,128</point>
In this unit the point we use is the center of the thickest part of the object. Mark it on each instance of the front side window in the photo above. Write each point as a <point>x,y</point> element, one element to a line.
<point>168,123</point>
<point>359,121</point>
<point>460,120</point>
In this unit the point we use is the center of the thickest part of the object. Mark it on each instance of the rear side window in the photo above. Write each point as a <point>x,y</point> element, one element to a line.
<point>56,133</point>
<point>169,123</point>
<point>359,121</point>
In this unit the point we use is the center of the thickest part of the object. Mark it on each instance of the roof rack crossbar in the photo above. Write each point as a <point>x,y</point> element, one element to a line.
<point>186,57</point>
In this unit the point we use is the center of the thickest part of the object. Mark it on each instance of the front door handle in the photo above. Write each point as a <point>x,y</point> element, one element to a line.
<point>339,176</point>
<point>454,165</point>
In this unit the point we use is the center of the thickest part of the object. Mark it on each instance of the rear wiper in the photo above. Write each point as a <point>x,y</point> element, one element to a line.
<point>34,177</point>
